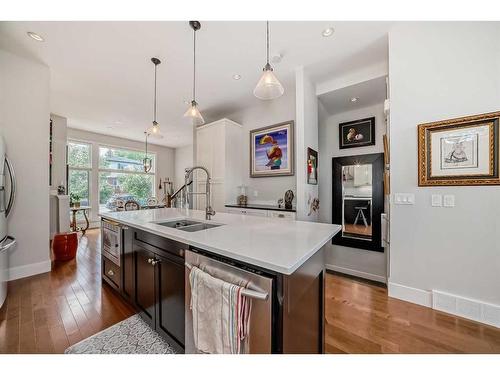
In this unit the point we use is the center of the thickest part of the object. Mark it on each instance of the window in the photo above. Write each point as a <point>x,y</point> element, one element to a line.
<point>80,165</point>
<point>122,176</point>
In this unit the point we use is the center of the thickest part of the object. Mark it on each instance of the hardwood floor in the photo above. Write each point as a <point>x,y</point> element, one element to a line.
<point>361,318</point>
<point>49,312</point>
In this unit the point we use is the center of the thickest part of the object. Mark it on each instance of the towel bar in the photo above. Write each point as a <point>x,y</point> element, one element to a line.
<point>246,292</point>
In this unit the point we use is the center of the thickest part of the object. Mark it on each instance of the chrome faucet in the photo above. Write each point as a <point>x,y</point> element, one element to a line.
<point>209,211</point>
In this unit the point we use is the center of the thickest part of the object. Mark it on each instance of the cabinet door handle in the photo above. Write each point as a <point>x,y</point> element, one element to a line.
<point>111,273</point>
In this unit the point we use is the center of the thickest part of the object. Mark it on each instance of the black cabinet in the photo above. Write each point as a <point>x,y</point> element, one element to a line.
<point>159,286</point>
<point>145,281</point>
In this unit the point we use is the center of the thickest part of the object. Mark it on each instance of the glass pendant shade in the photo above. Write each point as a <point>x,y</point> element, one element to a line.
<point>147,164</point>
<point>155,129</point>
<point>268,86</point>
<point>194,114</point>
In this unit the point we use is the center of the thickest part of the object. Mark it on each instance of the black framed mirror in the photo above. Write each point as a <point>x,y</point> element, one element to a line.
<point>358,200</point>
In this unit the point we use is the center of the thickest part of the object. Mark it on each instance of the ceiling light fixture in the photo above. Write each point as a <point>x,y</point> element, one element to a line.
<point>236,77</point>
<point>155,129</point>
<point>328,32</point>
<point>354,99</point>
<point>268,86</point>
<point>35,36</point>
<point>193,112</point>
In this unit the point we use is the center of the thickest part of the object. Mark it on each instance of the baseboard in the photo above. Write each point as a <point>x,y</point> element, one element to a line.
<point>352,272</point>
<point>466,307</point>
<point>19,272</point>
<point>407,293</point>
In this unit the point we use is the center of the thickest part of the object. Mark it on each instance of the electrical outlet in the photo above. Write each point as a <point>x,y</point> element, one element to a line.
<point>437,200</point>
<point>255,193</point>
<point>449,200</point>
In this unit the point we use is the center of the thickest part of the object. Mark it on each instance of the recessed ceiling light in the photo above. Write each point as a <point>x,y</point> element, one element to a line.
<point>35,36</point>
<point>236,77</point>
<point>328,32</point>
<point>354,100</point>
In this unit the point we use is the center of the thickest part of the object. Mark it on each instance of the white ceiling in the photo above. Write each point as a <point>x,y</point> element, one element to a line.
<point>102,76</point>
<point>369,93</point>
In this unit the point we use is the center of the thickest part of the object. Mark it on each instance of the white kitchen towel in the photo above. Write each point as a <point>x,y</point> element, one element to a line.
<point>221,314</point>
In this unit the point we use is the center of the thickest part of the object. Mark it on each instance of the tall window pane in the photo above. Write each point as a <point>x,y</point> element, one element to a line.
<point>79,183</point>
<point>79,155</point>
<point>123,160</point>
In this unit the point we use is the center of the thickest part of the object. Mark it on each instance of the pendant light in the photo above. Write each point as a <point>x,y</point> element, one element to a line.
<point>147,162</point>
<point>155,129</point>
<point>193,112</point>
<point>268,86</point>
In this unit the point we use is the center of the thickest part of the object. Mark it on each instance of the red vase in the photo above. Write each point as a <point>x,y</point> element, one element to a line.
<point>64,246</point>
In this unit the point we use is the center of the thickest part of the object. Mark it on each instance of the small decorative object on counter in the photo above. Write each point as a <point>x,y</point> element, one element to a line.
<point>288,199</point>
<point>74,199</point>
<point>280,202</point>
<point>242,198</point>
<point>61,190</point>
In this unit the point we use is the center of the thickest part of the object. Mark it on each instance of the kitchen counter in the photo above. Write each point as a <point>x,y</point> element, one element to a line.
<point>261,241</point>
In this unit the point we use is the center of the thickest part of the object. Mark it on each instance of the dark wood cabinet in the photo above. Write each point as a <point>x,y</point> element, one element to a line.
<point>128,265</point>
<point>170,307</point>
<point>145,281</point>
<point>159,286</point>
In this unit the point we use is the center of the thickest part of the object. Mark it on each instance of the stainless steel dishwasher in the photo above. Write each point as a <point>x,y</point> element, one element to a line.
<point>259,288</point>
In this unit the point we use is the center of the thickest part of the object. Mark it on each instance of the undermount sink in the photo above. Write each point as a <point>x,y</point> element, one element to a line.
<point>188,225</point>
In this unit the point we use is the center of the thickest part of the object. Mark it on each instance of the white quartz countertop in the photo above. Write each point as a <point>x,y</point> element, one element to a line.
<point>272,243</point>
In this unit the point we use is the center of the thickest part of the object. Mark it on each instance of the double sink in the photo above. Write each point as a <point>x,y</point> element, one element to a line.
<point>188,225</point>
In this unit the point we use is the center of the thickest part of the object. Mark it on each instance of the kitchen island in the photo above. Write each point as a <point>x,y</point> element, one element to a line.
<point>149,271</point>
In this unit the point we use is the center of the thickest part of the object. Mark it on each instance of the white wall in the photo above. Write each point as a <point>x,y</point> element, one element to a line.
<point>24,122</point>
<point>306,135</point>
<point>264,113</point>
<point>164,159</point>
<point>183,160</point>
<point>59,137</point>
<point>439,71</point>
<point>358,262</point>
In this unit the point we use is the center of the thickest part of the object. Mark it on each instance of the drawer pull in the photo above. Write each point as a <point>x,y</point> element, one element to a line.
<point>111,273</point>
<point>281,215</point>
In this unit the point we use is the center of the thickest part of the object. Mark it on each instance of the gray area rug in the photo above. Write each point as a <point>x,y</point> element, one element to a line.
<point>131,336</point>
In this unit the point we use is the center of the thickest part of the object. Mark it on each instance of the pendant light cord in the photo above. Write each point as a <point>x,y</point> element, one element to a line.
<point>194,65</point>
<point>154,105</point>
<point>267,38</point>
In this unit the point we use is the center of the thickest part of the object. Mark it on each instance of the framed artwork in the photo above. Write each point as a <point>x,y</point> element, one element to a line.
<point>271,150</point>
<point>461,151</point>
<point>357,133</point>
<point>312,166</point>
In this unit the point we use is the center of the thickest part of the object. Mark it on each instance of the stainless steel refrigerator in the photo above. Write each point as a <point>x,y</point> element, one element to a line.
<point>7,195</point>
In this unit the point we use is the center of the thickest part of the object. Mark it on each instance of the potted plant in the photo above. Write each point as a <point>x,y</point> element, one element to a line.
<point>74,200</point>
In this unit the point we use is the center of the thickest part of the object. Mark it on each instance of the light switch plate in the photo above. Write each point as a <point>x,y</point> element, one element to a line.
<point>449,200</point>
<point>437,200</point>
<point>404,198</point>
<point>255,193</point>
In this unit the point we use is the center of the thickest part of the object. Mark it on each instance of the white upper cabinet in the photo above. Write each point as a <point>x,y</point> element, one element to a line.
<point>217,147</point>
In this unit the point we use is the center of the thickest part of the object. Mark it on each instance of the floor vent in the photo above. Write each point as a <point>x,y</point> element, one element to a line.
<point>467,308</point>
